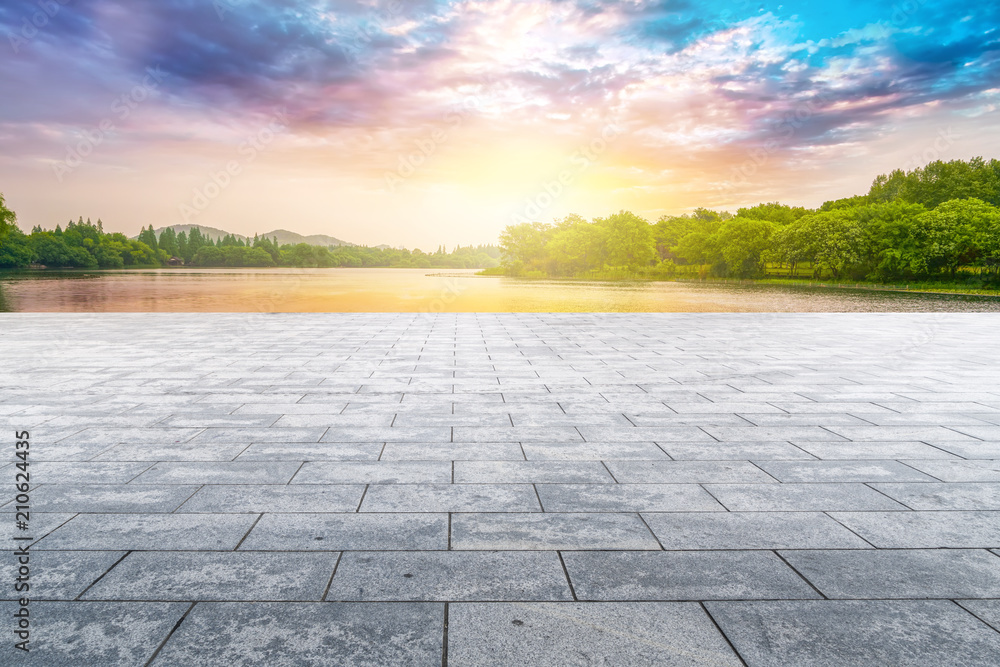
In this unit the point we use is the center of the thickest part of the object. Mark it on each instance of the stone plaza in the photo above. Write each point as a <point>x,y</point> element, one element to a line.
<point>504,489</point>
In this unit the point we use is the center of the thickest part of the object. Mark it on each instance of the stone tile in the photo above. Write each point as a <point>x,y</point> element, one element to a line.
<point>532,532</point>
<point>831,497</point>
<point>41,524</point>
<point>348,532</point>
<point>57,575</point>
<point>255,435</point>
<point>843,471</point>
<point>312,452</point>
<point>626,498</point>
<point>227,576</point>
<point>386,434</point>
<point>258,499</point>
<point>375,472</point>
<point>181,452</point>
<point>659,434</point>
<point>235,472</point>
<point>836,632</point>
<point>450,576</point>
<point>970,449</point>
<point>109,498</point>
<point>897,433</point>
<point>903,574</point>
<point>960,471</point>
<point>530,472</point>
<point>761,433</point>
<point>276,633</point>
<point>988,611</point>
<point>687,472</point>
<point>134,436</point>
<point>735,451</point>
<point>69,634</point>
<point>963,496</point>
<point>516,434</point>
<point>451,498</point>
<point>45,472</point>
<point>149,532</point>
<point>683,575</point>
<point>614,633</point>
<point>925,530</point>
<point>751,530</point>
<point>873,450</point>
<point>592,451</point>
<point>453,451</point>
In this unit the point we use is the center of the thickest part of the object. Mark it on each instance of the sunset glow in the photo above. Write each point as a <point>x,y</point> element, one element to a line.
<point>431,122</point>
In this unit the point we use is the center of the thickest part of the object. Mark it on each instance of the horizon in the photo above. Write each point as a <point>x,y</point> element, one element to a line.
<point>379,123</point>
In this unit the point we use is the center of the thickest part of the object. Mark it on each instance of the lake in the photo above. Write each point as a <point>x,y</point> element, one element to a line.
<point>429,290</point>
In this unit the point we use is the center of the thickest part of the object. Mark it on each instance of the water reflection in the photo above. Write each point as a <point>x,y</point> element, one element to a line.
<point>421,290</point>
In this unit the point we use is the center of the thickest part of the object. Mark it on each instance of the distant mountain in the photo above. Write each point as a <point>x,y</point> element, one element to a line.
<point>284,236</point>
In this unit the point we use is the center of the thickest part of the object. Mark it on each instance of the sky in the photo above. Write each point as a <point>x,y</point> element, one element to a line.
<point>431,122</point>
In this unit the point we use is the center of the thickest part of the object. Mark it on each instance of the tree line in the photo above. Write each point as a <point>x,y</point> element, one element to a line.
<point>939,222</point>
<point>85,245</point>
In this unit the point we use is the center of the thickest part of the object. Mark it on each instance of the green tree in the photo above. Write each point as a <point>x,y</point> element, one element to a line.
<point>8,219</point>
<point>629,240</point>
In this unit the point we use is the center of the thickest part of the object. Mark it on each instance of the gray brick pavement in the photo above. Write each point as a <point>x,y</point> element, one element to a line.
<point>405,489</point>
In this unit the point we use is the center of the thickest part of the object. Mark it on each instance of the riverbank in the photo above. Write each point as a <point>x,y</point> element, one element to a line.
<point>924,287</point>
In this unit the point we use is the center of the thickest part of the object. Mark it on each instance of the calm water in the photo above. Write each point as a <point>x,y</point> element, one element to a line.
<point>426,290</point>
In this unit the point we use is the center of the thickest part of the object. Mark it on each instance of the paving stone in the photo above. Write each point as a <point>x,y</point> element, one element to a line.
<point>964,496</point>
<point>836,632</point>
<point>529,472</point>
<point>181,452</point>
<point>209,472</point>
<point>109,498</point>
<point>57,575</point>
<point>452,451</point>
<point>960,471</point>
<point>375,472</point>
<point>70,634</point>
<point>988,611</point>
<point>801,497</point>
<point>348,532</point>
<point>46,472</point>
<point>520,532</point>
<point>300,452</point>
<point>735,451</point>
<point>258,499</point>
<point>751,530</point>
<point>626,498</point>
<point>683,575</point>
<point>611,633</point>
<point>687,472</point>
<point>843,471</point>
<point>149,532</point>
<point>451,498</point>
<point>275,633</point>
<point>592,451</point>
<point>873,450</point>
<point>904,574</point>
<point>925,530</point>
<point>450,576</point>
<point>226,576</point>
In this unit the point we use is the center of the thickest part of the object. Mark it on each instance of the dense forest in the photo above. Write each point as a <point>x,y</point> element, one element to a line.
<point>939,222</point>
<point>85,245</point>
